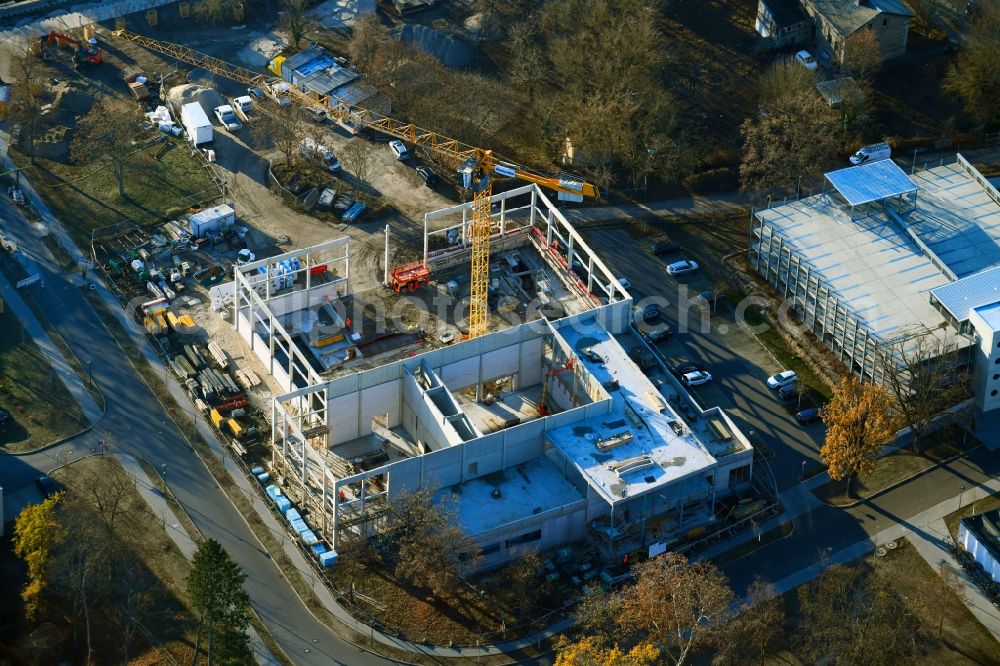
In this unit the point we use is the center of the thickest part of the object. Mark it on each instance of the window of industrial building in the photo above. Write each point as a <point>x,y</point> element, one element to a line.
<point>885,22</point>
<point>739,475</point>
<point>524,538</point>
<point>473,468</point>
<point>490,549</point>
<point>996,376</point>
<point>993,393</point>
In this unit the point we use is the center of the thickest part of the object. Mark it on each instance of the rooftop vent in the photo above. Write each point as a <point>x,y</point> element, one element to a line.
<point>614,440</point>
<point>630,465</point>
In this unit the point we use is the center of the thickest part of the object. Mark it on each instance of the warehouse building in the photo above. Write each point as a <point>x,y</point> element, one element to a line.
<point>882,258</point>
<point>545,432</point>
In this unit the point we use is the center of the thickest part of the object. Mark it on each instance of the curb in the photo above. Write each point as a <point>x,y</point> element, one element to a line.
<point>895,485</point>
<point>748,554</point>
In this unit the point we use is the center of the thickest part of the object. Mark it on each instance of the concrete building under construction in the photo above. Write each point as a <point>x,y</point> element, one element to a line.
<point>544,431</point>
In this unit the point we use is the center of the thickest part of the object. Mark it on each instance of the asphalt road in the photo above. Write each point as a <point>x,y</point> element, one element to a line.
<point>141,428</point>
<point>738,383</point>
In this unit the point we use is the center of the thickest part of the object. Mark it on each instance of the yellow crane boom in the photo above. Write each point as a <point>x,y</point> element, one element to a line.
<point>479,163</point>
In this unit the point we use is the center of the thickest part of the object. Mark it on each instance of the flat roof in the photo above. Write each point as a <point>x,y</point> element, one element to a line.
<point>970,293</point>
<point>957,218</point>
<point>871,182</point>
<point>511,494</point>
<point>869,263</point>
<point>652,453</point>
<point>991,315</point>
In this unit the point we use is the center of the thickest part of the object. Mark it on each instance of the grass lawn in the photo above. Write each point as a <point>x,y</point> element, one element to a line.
<point>898,466</point>
<point>85,197</point>
<point>788,359</point>
<point>41,408</point>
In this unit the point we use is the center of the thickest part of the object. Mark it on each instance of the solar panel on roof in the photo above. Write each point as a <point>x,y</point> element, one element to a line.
<point>871,182</point>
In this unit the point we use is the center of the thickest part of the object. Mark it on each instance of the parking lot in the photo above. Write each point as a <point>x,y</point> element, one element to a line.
<point>738,363</point>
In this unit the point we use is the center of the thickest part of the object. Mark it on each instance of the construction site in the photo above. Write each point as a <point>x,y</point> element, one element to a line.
<point>464,339</point>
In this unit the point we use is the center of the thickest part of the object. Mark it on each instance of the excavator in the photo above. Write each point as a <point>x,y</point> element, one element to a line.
<point>476,167</point>
<point>87,52</point>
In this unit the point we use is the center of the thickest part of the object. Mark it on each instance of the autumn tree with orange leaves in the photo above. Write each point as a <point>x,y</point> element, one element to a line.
<point>859,420</point>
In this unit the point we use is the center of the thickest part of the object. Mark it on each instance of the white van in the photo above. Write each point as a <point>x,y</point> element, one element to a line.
<point>873,153</point>
<point>311,150</point>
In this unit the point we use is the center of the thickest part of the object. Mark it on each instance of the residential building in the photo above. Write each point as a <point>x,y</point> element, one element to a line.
<point>980,536</point>
<point>831,23</point>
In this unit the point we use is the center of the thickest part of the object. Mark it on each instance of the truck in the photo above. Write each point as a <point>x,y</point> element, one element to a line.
<point>243,106</point>
<point>217,218</point>
<point>196,124</point>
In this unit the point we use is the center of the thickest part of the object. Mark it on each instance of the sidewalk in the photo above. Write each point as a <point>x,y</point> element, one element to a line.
<point>187,545</point>
<point>34,330</point>
<point>928,534</point>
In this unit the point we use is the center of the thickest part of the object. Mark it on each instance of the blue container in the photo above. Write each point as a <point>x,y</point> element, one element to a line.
<point>309,537</point>
<point>327,559</point>
<point>284,504</point>
<point>291,515</point>
<point>257,470</point>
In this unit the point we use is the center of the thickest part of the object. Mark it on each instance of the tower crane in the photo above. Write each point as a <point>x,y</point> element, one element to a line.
<point>475,166</point>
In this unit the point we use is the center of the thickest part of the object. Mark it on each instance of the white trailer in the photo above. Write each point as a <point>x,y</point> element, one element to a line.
<point>217,218</point>
<point>196,123</point>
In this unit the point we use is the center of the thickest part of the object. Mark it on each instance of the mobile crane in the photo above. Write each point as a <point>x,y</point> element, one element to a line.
<point>475,166</point>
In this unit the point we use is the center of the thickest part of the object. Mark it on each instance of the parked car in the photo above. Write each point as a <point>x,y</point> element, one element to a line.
<point>873,153</point>
<point>399,149</point>
<point>808,415</point>
<point>624,282</point>
<point>227,118</point>
<point>353,213</point>
<point>807,60</point>
<point>789,392</point>
<point>651,313</point>
<point>696,378</point>
<point>682,267</point>
<point>660,334</point>
<point>687,367</point>
<point>255,93</point>
<point>664,247</point>
<point>427,174</point>
<point>592,356</point>
<point>782,379</point>
<point>47,485</point>
<point>316,114</point>
<point>311,150</point>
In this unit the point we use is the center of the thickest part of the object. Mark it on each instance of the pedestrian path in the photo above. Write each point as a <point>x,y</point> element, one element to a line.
<point>60,365</point>
<point>180,536</point>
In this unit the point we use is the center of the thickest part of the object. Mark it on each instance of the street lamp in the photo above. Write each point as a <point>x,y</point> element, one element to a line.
<point>802,475</point>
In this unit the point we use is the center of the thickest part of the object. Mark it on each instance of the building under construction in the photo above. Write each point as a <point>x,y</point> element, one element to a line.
<point>545,431</point>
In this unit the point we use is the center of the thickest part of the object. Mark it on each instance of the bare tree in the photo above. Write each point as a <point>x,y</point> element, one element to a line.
<point>975,77</point>
<point>133,598</point>
<point>522,581</point>
<point>280,126</point>
<point>681,605</point>
<point>849,618</point>
<point>429,546</point>
<point>758,623</point>
<point>28,95</point>
<point>294,19</point>
<point>784,82</point>
<point>359,159</point>
<point>215,12</point>
<point>863,56</point>
<point>924,375</point>
<point>108,489</point>
<point>109,132</point>
<point>368,39</point>
<point>800,137</point>
<point>528,68</point>
<point>945,590</point>
<point>599,615</point>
